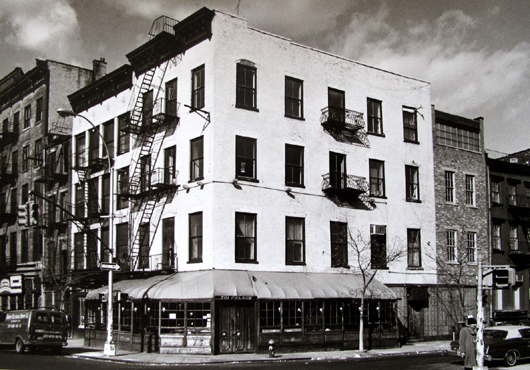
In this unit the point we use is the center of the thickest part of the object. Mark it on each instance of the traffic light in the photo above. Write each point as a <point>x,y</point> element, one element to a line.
<point>503,277</point>
<point>23,215</point>
<point>34,216</point>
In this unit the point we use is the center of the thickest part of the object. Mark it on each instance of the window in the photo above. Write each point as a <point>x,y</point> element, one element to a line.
<point>246,87</point>
<point>38,113</point>
<point>294,98</point>
<point>93,139</point>
<point>16,122</point>
<point>413,247</point>
<point>37,245</point>
<point>79,251</point>
<point>14,163</point>
<point>14,200</point>
<point>295,241</point>
<point>63,199</point>
<point>338,178</point>
<point>496,237</point>
<point>147,108</point>
<point>123,133</point>
<point>93,197</point>
<point>168,242</point>
<point>108,135</point>
<point>457,137</point>
<point>410,128</point>
<point>245,237</point>
<point>470,190</point>
<point>145,173</point>
<point>143,254</point>
<point>449,187</point>
<point>375,117</point>
<point>294,165</point>
<point>197,159</point>
<point>514,238</point>
<point>79,200</point>
<point>13,248</point>
<point>451,246</point>
<point>245,157</point>
<point>197,88</point>
<point>171,98</point>
<point>471,247</point>
<point>105,235</point>
<point>80,150</point>
<point>38,153</point>
<point>27,116</point>
<point>123,187</point>
<point>336,105</point>
<point>106,194</point>
<point>512,195</point>
<point>122,249</point>
<point>5,126</point>
<point>91,250</point>
<point>412,184</point>
<point>377,178</point>
<point>24,246</point>
<point>195,243</point>
<point>378,247</point>
<point>170,171</point>
<point>339,244</point>
<point>25,158</point>
<point>25,194</point>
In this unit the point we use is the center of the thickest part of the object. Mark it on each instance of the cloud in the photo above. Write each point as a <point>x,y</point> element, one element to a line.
<point>48,28</point>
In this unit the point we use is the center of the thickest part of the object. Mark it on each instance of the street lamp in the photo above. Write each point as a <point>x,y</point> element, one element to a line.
<point>110,348</point>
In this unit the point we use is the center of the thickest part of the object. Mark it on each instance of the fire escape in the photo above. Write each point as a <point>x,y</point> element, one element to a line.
<point>153,117</point>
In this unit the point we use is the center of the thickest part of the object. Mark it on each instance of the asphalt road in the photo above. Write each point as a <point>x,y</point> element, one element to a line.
<point>44,361</point>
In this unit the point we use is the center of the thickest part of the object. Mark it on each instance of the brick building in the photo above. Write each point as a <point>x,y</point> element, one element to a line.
<point>509,177</point>
<point>34,175</point>
<point>462,234</point>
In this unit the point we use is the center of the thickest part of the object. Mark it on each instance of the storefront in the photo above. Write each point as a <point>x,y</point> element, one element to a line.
<point>225,311</point>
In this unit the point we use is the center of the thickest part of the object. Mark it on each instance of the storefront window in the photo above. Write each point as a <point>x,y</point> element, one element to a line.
<point>198,315</point>
<point>172,317</point>
<point>314,315</point>
<point>270,316</point>
<point>176,317</point>
<point>333,315</point>
<point>292,316</point>
<point>351,315</point>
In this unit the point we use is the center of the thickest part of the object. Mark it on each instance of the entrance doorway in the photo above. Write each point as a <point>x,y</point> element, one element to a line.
<point>236,327</point>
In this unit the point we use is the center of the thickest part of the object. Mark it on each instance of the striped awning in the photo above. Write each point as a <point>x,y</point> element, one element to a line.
<point>209,284</point>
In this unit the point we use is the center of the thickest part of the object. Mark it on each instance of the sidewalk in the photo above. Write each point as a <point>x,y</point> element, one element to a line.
<point>174,359</point>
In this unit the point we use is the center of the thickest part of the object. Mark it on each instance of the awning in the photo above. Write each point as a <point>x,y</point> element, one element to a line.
<point>210,284</point>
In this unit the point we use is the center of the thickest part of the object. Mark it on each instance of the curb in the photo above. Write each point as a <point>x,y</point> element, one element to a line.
<point>359,356</point>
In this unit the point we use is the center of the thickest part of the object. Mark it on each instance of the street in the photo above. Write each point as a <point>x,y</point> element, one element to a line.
<point>43,361</point>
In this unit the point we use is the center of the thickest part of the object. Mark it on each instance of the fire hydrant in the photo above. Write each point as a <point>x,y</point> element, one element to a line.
<point>271,348</point>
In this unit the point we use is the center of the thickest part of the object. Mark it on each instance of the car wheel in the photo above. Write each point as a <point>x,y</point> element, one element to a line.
<point>19,346</point>
<point>511,358</point>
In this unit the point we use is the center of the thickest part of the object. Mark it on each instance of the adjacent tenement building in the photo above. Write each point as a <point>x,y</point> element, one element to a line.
<point>249,171</point>
<point>34,177</point>
<point>509,178</point>
<point>462,235</point>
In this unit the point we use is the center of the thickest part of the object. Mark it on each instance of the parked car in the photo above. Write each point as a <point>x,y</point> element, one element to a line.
<point>508,343</point>
<point>34,328</point>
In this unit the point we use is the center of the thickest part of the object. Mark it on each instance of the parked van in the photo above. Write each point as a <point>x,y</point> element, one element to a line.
<point>34,329</point>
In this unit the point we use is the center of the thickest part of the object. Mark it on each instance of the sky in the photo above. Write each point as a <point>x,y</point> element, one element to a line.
<point>475,53</point>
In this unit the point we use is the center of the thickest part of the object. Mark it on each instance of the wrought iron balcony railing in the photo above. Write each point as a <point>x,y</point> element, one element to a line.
<point>341,119</point>
<point>341,183</point>
<point>521,201</point>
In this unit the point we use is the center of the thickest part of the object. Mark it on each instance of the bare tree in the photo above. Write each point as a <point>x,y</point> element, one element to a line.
<point>370,255</point>
<point>455,293</point>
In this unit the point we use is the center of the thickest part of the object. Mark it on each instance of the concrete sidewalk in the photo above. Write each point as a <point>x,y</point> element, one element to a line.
<point>175,359</point>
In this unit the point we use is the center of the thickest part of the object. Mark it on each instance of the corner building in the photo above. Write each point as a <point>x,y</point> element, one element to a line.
<point>254,164</point>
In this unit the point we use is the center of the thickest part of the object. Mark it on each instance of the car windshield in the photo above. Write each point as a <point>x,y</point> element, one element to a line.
<point>500,334</point>
<point>57,318</point>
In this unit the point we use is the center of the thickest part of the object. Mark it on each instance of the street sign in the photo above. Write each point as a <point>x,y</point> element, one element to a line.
<point>107,266</point>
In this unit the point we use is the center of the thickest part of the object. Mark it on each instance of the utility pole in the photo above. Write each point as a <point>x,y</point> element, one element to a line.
<point>480,322</point>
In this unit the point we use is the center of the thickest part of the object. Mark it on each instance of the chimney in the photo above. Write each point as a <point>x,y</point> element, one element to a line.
<point>99,68</point>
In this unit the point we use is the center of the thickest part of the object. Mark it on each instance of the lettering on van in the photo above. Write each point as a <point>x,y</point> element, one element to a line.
<point>17,316</point>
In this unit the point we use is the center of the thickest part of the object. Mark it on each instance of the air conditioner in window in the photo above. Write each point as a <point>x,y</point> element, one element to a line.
<point>519,279</point>
<point>378,229</point>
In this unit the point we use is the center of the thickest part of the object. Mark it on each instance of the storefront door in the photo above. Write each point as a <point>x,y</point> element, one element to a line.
<point>235,328</point>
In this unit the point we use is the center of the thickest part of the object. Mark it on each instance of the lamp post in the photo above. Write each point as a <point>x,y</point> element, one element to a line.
<point>110,348</point>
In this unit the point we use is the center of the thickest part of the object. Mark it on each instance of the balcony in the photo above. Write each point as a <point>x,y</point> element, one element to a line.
<point>156,181</point>
<point>344,125</point>
<point>8,135</point>
<point>7,177</point>
<point>519,253</point>
<point>343,185</point>
<point>165,111</point>
<point>55,220</point>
